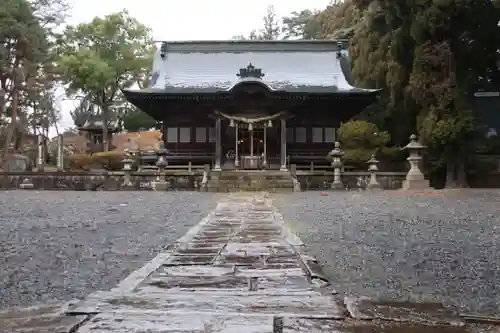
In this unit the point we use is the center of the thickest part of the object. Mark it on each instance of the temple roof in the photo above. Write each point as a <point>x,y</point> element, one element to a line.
<point>281,66</point>
<point>94,123</point>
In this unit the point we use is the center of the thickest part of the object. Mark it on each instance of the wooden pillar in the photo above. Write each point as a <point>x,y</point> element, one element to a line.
<point>283,145</point>
<point>218,148</point>
<point>236,152</point>
<point>163,133</point>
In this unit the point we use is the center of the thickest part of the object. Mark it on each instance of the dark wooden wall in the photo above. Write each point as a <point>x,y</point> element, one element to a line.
<point>188,119</point>
<point>309,117</point>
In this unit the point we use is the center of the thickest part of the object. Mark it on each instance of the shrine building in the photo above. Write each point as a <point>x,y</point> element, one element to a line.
<point>251,104</point>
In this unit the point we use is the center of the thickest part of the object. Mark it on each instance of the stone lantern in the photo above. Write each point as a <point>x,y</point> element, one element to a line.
<point>372,169</point>
<point>127,168</point>
<point>161,184</point>
<point>415,179</point>
<point>336,154</point>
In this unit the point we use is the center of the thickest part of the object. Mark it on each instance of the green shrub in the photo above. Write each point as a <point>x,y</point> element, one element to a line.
<point>392,154</point>
<point>360,139</point>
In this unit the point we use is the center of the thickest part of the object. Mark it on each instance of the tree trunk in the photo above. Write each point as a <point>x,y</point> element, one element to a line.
<point>461,174</point>
<point>22,127</point>
<point>451,180</point>
<point>13,124</point>
<point>105,143</point>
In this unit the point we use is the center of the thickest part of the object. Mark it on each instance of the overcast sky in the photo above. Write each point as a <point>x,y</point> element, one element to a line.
<point>187,19</point>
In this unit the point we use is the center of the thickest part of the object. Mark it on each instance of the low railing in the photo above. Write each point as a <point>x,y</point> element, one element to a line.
<point>352,180</point>
<point>178,179</point>
<point>190,167</point>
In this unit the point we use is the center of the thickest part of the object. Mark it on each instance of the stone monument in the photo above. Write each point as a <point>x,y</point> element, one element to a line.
<point>415,179</point>
<point>161,184</point>
<point>336,154</point>
<point>60,152</point>
<point>19,163</point>
<point>127,169</point>
<point>373,184</point>
<point>40,158</point>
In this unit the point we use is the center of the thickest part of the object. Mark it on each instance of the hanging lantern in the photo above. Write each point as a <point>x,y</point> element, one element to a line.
<point>270,123</point>
<point>231,123</point>
<point>250,127</point>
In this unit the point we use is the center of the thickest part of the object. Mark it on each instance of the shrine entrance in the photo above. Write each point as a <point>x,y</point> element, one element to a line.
<point>251,144</point>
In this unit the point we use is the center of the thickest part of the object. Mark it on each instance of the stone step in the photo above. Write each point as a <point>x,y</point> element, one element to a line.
<point>250,183</point>
<point>235,189</point>
<point>237,181</point>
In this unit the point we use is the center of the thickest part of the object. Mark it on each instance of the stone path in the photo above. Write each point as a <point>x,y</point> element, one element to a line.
<point>238,271</point>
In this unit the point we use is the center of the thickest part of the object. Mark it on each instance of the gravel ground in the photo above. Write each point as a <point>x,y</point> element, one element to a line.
<point>434,246</point>
<point>65,245</point>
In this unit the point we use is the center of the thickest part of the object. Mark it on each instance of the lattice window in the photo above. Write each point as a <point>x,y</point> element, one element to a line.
<point>201,134</point>
<point>172,135</point>
<point>185,134</point>
<point>301,135</point>
<point>317,134</point>
<point>211,134</point>
<point>289,135</point>
<point>329,134</point>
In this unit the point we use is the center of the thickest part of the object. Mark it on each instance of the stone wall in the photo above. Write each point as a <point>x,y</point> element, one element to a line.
<point>94,181</point>
<point>352,180</point>
<point>178,180</point>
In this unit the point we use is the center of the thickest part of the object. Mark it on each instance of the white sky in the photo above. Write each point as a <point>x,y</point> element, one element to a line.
<point>187,19</point>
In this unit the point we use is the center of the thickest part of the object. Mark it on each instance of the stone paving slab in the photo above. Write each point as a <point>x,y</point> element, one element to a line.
<point>238,270</point>
<point>292,304</point>
<point>140,322</point>
<point>301,325</point>
<point>426,313</point>
<point>45,318</point>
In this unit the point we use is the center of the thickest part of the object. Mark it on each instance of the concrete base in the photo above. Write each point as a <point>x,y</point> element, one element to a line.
<point>416,185</point>
<point>160,186</point>
<point>26,184</point>
<point>296,185</point>
<point>337,186</point>
<point>373,187</point>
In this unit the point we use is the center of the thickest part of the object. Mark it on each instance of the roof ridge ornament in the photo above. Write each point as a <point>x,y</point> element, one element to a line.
<point>163,50</point>
<point>340,48</point>
<point>250,72</point>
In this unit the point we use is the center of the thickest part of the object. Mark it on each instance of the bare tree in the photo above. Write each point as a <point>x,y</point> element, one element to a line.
<point>272,28</point>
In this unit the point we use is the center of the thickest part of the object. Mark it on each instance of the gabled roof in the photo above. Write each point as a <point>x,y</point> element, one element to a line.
<point>95,123</point>
<point>287,66</point>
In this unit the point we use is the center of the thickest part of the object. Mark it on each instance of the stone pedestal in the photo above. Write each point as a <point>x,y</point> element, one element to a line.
<point>127,169</point>
<point>415,179</point>
<point>336,154</point>
<point>373,184</point>
<point>250,162</point>
<point>26,184</point>
<point>161,184</point>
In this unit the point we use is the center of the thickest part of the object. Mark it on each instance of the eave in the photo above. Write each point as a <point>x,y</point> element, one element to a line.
<point>212,93</point>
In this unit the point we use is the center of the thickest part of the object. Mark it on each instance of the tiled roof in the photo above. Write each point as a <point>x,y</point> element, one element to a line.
<point>92,124</point>
<point>207,67</point>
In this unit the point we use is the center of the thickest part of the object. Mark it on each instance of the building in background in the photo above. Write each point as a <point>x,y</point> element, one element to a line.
<point>251,104</point>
